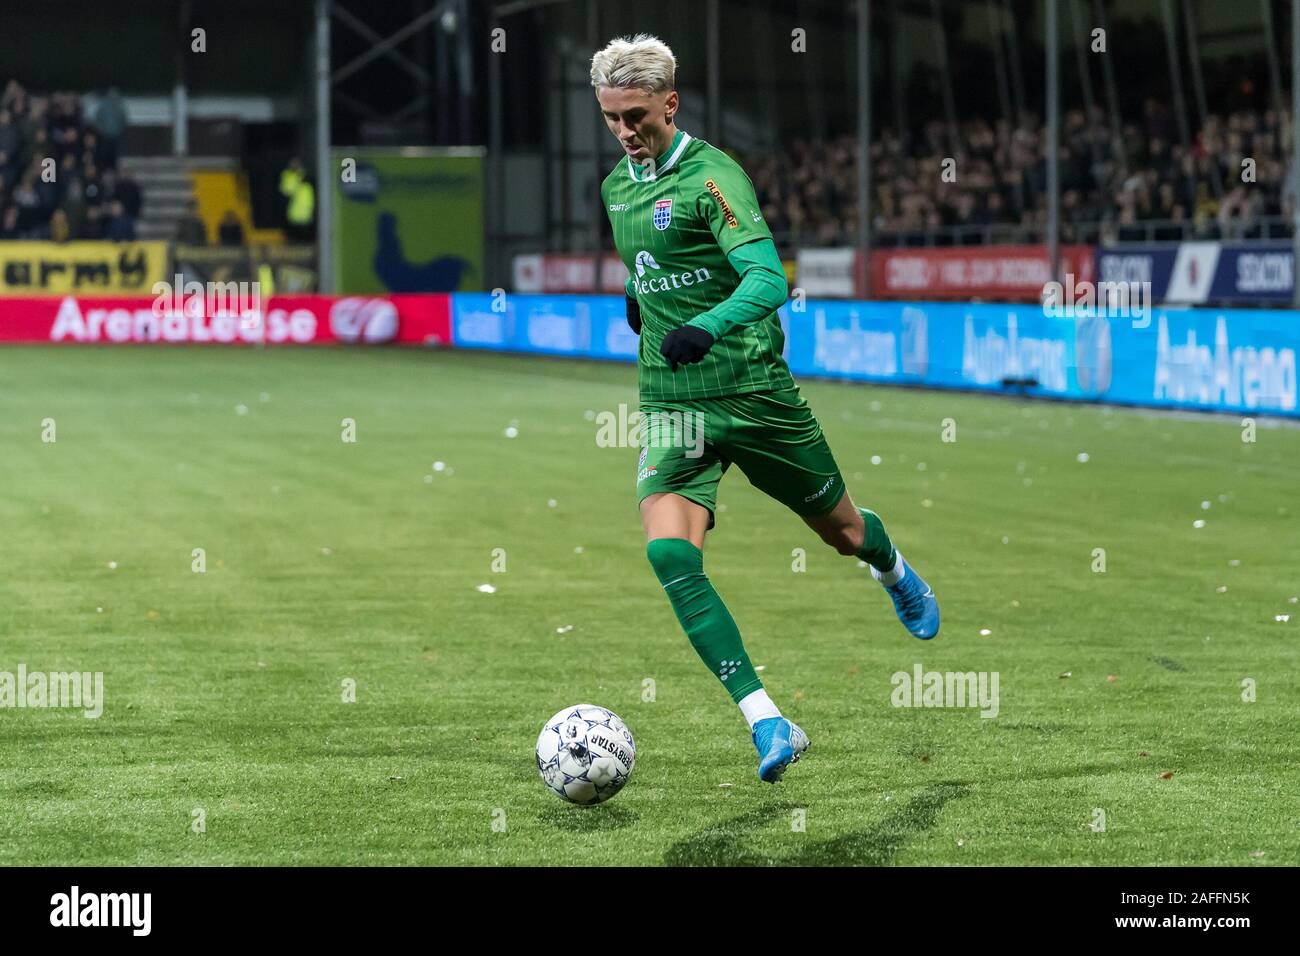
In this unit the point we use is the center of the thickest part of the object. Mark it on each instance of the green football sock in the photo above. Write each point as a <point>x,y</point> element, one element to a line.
<point>877,550</point>
<point>705,619</point>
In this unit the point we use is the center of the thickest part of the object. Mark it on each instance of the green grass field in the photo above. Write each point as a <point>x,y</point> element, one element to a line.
<point>328,561</point>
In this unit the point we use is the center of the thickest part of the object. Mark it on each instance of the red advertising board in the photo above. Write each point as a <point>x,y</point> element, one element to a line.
<point>1007,273</point>
<point>290,320</point>
<point>562,273</point>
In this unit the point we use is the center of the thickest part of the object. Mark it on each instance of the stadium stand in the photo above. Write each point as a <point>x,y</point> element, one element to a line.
<point>83,195</point>
<point>1154,189</point>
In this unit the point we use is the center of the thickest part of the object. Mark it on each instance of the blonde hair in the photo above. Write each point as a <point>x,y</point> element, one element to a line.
<point>643,62</point>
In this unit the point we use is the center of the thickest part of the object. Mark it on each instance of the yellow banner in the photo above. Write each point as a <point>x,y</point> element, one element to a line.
<point>87,268</point>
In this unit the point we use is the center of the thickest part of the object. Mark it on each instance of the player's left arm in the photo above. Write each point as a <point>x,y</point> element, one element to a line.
<point>729,206</point>
<point>762,290</point>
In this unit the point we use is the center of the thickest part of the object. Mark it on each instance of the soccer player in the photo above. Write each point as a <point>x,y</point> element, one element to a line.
<point>703,294</point>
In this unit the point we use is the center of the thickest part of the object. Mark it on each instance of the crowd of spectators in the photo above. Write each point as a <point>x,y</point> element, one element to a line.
<point>58,168</point>
<point>1145,185</point>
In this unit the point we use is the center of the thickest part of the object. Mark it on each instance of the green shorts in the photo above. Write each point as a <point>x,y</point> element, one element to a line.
<point>772,436</point>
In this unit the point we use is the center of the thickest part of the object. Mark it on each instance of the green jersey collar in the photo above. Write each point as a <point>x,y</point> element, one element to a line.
<point>661,165</point>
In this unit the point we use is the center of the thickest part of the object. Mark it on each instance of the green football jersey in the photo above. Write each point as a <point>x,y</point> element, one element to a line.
<point>674,224</point>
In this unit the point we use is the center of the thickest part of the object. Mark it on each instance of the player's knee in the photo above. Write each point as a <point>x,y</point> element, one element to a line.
<point>673,558</point>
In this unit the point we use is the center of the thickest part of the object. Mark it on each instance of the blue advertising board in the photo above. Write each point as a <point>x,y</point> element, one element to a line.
<point>1231,360</point>
<point>584,326</point>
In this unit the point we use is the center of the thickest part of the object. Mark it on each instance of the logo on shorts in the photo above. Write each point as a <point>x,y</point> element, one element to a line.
<point>645,473</point>
<point>825,488</point>
<point>663,214</point>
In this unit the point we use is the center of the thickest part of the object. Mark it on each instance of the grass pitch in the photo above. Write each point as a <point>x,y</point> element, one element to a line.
<point>329,561</point>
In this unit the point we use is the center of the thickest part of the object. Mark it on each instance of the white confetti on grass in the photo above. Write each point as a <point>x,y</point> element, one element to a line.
<point>927,503</point>
<point>559,630</point>
<point>1205,506</point>
<point>1222,589</point>
<point>875,459</point>
<point>1281,618</point>
<point>112,565</point>
<point>241,409</point>
<point>589,415</point>
<point>552,503</point>
<point>579,549</point>
<point>1082,457</point>
<point>512,432</point>
<point>1234,563</point>
<point>985,632</point>
<point>1292,600</point>
<point>439,466</point>
<point>486,589</point>
<point>1198,523</point>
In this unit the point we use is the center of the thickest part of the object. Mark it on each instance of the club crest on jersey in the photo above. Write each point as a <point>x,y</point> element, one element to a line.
<point>663,214</point>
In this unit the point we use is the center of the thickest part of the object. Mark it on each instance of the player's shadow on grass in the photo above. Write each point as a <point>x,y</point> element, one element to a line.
<point>730,843</point>
<point>604,816</point>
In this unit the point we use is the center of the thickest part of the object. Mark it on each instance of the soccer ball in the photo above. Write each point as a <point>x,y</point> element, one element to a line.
<point>585,754</point>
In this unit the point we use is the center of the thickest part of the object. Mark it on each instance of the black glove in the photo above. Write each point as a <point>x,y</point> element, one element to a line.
<point>685,345</point>
<point>633,314</point>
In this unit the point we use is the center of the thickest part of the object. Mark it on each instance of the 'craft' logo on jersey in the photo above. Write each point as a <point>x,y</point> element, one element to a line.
<point>727,214</point>
<point>663,214</point>
<point>674,280</point>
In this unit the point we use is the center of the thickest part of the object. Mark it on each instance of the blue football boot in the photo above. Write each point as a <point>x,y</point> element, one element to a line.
<point>779,743</point>
<point>914,602</point>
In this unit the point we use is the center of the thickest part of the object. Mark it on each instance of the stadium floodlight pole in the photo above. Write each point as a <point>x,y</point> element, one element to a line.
<point>324,172</point>
<point>997,41</point>
<point>945,71</point>
<point>1053,94</point>
<point>1295,151</point>
<point>1112,97</point>
<point>180,92</point>
<point>598,124</point>
<point>864,142</point>
<point>1170,18</point>
<point>1198,84</point>
<point>712,59</point>
<point>1271,47</point>
<point>495,182</point>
